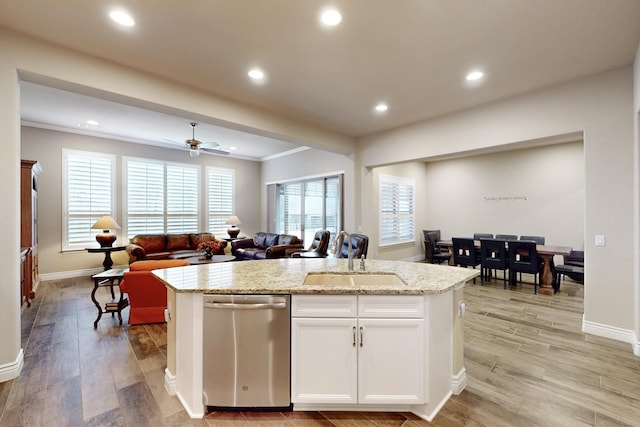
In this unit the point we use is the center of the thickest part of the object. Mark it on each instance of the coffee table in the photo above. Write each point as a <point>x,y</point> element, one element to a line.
<point>111,278</point>
<point>194,260</point>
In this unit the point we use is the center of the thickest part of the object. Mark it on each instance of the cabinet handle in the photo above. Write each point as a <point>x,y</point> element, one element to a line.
<point>354,336</point>
<point>361,334</point>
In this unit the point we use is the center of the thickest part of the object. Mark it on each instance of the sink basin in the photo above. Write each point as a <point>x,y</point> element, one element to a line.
<point>362,279</point>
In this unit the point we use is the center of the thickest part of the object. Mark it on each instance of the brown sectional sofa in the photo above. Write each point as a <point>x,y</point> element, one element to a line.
<point>265,246</point>
<point>169,246</point>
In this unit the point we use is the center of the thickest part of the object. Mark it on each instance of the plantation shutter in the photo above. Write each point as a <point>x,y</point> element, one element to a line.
<point>397,210</point>
<point>88,195</point>
<point>220,190</point>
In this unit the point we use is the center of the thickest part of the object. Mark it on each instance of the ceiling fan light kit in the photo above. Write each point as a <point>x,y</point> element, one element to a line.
<point>195,146</point>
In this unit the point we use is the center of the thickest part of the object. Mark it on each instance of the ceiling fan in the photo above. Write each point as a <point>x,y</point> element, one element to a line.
<point>196,146</point>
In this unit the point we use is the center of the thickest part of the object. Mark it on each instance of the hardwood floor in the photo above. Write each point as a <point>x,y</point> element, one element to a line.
<point>528,364</point>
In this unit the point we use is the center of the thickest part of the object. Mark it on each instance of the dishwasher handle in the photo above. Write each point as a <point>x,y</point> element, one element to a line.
<point>278,305</point>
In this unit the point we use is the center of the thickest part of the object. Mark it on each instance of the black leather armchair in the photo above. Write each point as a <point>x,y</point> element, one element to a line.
<point>359,243</point>
<point>319,246</point>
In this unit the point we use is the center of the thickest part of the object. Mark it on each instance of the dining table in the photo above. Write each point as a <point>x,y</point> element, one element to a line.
<point>546,254</point>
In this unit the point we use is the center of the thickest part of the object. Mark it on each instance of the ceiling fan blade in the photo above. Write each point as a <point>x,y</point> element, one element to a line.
<point>214,151</point>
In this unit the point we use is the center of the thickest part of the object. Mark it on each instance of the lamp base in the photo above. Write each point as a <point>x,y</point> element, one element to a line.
<point>106,239</point>
<point>233,232</point>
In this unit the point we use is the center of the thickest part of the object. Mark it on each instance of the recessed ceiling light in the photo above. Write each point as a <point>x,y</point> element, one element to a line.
<point>92,123</point>
<point>122,18</point>
<point>256,74</point>
<point>475,75</point>
<point>232,148</point>
<point>381,107</point>
<point>330,17</point>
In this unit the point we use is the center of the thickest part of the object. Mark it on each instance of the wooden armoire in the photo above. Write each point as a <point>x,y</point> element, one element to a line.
<point>29,171</point>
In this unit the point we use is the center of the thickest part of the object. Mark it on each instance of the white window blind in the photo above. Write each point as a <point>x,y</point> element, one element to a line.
<point>397,210</point>
<point>220,203</point>
<point>160,197</point>
<point>88,194</point>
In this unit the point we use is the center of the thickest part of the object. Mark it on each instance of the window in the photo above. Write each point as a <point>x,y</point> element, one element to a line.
<point>88,193</point>
<point>220,206</point>
<point>160,197</point>
<point>304,207</point>
<point>397,214</point>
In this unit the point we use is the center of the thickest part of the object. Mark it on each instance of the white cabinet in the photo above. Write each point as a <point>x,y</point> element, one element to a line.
<point>358,349</point>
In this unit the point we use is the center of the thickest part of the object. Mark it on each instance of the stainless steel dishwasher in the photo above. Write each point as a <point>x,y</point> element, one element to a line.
<point>246,351</point>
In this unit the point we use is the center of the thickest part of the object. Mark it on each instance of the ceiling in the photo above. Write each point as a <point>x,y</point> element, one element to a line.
<point>411,54</point>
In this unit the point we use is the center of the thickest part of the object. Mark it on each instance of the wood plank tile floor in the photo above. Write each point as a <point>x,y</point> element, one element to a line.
<point>528,364</point>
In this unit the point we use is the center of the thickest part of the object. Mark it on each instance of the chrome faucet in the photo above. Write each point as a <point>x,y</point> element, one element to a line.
<point>349,251</point>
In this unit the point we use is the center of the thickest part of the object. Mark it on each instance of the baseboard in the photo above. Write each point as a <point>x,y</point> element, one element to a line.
<point>611,332</point>
<point>636,347</point>
<point>170,382</point>
<point>421,410</point>
<point>87,272</point>
<point>12,370</point>
<point>190,411</point>
<point>459,381</point>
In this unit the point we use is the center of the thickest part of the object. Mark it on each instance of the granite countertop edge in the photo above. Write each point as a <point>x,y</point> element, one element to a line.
<point>286,276</point>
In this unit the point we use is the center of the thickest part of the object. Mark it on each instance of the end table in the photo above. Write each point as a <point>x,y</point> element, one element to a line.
<point>110,278</point>
<point>108,262</point>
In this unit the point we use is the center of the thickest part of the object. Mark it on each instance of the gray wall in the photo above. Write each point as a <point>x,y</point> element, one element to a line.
<point>46,147</point>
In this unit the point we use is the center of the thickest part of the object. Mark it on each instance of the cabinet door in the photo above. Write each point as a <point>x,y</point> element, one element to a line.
<point>323,360</point>
<point>391,361</point>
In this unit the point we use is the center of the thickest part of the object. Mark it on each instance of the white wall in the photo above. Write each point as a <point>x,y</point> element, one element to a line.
<point>10,352</point>
<point>533,191</point>
<point>46,146</point>
<point>486,193</point>
<point>600,108</point>
<point>636,193</point>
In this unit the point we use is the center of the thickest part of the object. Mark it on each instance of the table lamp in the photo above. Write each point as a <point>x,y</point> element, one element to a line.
<point>105,224</point>
<point>233,231</point>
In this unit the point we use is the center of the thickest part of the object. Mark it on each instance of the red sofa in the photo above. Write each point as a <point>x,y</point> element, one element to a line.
<point>147,294</point>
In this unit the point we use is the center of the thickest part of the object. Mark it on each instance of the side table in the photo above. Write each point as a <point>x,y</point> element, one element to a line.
<point>109,278</point>
<point>108,262</point>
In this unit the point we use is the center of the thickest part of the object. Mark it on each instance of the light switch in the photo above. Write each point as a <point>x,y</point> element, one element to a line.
<point>600,240</point>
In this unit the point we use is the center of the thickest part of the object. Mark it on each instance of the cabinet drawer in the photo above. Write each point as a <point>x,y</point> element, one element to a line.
<point>324,305</point>
<point>391,306</point>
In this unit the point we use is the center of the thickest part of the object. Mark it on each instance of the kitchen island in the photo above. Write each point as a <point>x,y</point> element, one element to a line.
<point>427,297</point>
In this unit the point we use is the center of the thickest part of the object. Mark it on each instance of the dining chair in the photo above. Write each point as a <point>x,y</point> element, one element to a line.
<point>464,253</point>
<point>506,236</point>
<point>538,239</point>
<point>478,236</point>
<point>432,253</point>
<point>573,266</point>
<point>523,258</point>
<point>493,256</point>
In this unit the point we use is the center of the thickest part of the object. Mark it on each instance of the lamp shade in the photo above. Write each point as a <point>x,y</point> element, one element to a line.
<point>106,223</point>
<point>233,220</point>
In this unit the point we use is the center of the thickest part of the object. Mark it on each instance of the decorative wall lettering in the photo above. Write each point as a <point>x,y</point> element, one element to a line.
<point>504,198</point>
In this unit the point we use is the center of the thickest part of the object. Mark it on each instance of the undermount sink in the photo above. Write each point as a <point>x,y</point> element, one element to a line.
<point>356,279</point>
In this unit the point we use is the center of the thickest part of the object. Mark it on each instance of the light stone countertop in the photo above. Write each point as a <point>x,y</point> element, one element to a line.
<point>286,276</point>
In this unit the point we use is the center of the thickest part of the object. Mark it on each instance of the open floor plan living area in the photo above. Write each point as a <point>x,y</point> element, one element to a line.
<point>298,213</point>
